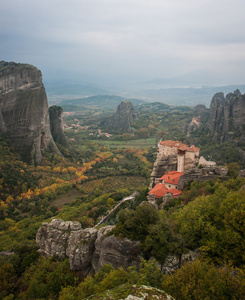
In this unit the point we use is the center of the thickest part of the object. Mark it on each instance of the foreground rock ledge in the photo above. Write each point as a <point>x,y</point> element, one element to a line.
<point>87,249</point>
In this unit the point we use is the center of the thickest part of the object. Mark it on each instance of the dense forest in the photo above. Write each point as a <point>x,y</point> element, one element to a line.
<point>86,183</point>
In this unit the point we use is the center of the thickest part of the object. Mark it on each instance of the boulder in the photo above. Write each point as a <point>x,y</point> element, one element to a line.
<point>172,263</point>
<point>80,249</point>
<point>115,251</point>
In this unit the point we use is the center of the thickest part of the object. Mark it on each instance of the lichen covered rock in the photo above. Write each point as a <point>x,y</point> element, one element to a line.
<point>115,251</point>
<point>87,249</point>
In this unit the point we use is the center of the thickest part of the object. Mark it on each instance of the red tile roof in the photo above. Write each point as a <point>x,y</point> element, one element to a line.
<point>159,190</point>
<point>175,192</point>
<point>171,143</point>
<point>172,177</point>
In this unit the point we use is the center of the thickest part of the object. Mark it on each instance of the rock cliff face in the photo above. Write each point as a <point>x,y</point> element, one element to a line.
<point>24,117</point>
<point>202,174</point>
<point>56,126</point>
<point>87,249</point>
<point>227,117</point>
<point>123,117</point>
<point>162,165</point>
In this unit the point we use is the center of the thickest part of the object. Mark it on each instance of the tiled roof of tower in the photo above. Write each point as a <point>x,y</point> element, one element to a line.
<point>171,143</point>
<point>179,145</point>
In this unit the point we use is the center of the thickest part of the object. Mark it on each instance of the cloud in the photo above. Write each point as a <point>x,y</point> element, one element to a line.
<point>125,38</point>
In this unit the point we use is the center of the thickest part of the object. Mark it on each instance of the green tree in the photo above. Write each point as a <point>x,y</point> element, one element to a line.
<point>110,203</point>
<point>233,169</point>
<point>135,224</point>
<point>163,241</point>
<point>200,280</point>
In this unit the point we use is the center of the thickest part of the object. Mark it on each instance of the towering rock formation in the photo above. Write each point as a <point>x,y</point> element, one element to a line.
<point>24,117</point>
<point>56,126</point>
<point>227,117</point>
<point>123,117</point>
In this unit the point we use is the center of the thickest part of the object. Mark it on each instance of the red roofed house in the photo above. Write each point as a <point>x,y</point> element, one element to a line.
<point>171,179</point>
<point>168,184</point>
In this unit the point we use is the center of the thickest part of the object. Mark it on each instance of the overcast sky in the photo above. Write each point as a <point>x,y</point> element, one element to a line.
<point>134,39</point>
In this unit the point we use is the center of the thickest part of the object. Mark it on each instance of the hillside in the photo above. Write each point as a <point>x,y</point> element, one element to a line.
<point>204,225</point>
<point>105,102</point>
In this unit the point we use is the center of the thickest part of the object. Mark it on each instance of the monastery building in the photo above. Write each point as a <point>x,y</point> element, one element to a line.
<point>187,157</point>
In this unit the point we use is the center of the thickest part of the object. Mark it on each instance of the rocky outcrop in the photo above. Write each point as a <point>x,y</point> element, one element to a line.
<point>172,263</point>
<point>241,173</point>
<point>24,117</point>
<point>122,119</point>
<point>115,251</point>
<point>193,125</point>
<point>162,165</point>
<point>134,292</point>
<point>87,249</point>
<point>202,174</point>
<point>227,117</point>
<point>57,126</point>
<point>200,109</point>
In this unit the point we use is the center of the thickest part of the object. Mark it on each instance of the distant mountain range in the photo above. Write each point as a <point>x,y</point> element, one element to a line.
<point>67,92</point>
<point>184,96</point>
<point>72,89</point>
<point>99,101</point>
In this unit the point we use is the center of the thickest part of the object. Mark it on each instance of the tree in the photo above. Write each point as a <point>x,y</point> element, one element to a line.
<point>163,241</point>
<point>135,224</point>
<point>233,170</point>
<point>110,203</point>
<point>200,280</point>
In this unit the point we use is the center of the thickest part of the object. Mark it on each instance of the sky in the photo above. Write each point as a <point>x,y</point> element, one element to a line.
<point>127,40</point>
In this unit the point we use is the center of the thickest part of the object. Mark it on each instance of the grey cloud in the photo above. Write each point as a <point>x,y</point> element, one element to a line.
<point>125,38</point>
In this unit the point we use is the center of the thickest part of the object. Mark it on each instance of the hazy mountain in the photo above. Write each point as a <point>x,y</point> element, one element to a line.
<point>183,90</point>
<point>61,89</point>
<point>184,96</point>
<point>99,101</point>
